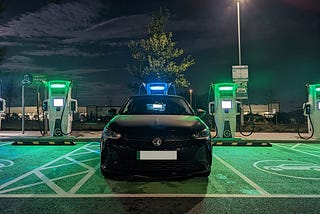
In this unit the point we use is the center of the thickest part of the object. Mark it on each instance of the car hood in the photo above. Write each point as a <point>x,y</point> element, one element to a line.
<point>156,122</point>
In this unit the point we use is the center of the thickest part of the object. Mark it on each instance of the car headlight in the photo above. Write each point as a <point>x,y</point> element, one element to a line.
<point>202,135</point>
<point>109,134</point>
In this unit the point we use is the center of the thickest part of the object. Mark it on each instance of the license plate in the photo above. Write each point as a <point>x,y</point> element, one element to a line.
<point>157,155</point>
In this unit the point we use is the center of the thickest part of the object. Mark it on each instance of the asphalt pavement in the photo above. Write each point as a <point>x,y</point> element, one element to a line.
<point>67,180</point>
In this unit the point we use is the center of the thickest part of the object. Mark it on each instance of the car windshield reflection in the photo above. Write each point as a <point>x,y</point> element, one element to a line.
<point>156,105</point>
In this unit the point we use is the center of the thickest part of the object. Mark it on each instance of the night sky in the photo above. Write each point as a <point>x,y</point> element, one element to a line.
<point>86,41</point>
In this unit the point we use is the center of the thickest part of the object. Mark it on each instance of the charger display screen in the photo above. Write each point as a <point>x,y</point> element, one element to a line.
<point>58,102</point>
<point>226,104</point>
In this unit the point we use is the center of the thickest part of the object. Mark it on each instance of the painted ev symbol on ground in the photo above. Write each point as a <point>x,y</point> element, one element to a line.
<point>303,166</point>
<point>5,163</point>
<point>291,169</point>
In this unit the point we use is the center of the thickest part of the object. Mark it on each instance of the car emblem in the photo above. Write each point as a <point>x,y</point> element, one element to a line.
<point>157,141</point>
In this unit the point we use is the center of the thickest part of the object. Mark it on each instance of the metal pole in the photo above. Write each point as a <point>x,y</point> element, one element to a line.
<point>190,99</point>
<point>23,109</point>
<point>239,40</point>
<point>1,88</point>
<point>45,115</point>
<point>239,54</point>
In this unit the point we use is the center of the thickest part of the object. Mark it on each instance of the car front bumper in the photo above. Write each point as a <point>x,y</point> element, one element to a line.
<point>124,160</point>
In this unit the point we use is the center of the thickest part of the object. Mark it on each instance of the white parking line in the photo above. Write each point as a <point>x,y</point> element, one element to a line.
<point>245,178</point>
<point>83,153</point>
<point>296,150</point>
<point>66,164</point>
<point>4,144</point>
<point>157,196</point>
<point>50,182</point>
<point>296,145</point>
<point>76,187</point>
<point>311,146</point>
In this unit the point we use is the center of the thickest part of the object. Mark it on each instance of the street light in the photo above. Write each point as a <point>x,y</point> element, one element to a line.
<point>190,96</point>
<point>242,69</point>
<point>239,40</point>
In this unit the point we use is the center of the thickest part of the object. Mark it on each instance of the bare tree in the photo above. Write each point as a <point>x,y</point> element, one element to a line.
<point>157,58</point>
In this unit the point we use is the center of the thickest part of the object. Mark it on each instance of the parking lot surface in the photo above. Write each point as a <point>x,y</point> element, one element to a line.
<point>284,176</point>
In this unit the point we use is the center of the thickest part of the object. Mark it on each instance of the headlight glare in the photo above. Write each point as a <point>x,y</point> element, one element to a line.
<point>109,134</point>
<point>202,135</point>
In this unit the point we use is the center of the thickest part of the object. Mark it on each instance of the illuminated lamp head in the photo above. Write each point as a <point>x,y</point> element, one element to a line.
<point>57,85</point>
<point>226,88</point>
<point>157,88</point>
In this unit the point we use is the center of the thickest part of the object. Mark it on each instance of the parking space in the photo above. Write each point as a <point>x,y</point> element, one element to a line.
<point>73,171</point>
<point>48,170</point>
<point>284,169</point>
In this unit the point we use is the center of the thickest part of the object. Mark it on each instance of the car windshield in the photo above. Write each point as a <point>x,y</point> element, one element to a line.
<point>156,105</point>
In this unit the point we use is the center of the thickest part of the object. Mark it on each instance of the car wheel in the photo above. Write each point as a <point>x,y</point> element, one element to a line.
<point>105,174</point>
<point>103,155</point>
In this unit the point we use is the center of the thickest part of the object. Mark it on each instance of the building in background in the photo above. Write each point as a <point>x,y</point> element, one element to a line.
<point>266,110</point>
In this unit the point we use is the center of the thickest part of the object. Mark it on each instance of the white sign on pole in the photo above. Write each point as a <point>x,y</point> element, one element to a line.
<point>26,81</point>
<point>240,73</point>
<point>240,76</point>
<point>38,78</point>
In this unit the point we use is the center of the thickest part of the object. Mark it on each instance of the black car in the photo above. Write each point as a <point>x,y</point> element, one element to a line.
<point>156,135</point>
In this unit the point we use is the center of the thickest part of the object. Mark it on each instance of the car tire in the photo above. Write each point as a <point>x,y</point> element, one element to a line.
<point>105,174</point>
<point>103,155</point>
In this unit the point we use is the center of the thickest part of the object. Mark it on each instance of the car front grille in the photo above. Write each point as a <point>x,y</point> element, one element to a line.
<point>168,143</point>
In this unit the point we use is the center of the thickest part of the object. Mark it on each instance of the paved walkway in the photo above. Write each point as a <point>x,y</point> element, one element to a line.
<point>270,136</point>
<point>36,135</point>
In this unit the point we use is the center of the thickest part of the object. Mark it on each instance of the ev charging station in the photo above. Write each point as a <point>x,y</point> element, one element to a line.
<point>2,110</point>
<point>158,88</point>
<point>225,109</point>
<point>2,105</point>
<point>311,110</point>
<point>60,107</point>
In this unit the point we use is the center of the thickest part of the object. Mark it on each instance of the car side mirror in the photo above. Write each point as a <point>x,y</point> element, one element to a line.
<point>201,112</point>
